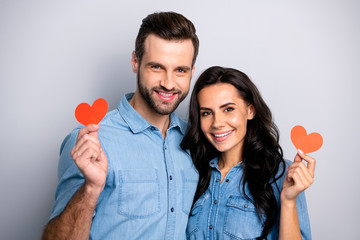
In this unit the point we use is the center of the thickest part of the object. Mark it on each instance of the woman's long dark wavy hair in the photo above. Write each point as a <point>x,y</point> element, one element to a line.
<point>262,154</point>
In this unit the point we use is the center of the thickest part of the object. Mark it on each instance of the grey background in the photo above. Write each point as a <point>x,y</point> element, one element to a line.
<point>303,55</point>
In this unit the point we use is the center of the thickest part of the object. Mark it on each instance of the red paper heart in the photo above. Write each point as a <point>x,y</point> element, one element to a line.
<point>307,143</point>
<point>91,115</point>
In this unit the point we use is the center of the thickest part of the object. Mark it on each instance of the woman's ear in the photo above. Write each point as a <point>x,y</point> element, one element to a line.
<point>251,112</point>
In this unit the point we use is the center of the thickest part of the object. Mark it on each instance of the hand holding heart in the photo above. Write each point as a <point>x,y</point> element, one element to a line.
<point>300,176</point>
<point>87,152</point>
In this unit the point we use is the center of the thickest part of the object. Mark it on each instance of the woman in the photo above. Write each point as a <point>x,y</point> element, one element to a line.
<point>246,189</point>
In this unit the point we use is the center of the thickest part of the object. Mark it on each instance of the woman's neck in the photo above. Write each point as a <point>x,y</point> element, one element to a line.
<point>228,160</point>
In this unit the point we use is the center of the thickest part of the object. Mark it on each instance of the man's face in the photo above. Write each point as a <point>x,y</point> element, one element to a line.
<point>164,75</point>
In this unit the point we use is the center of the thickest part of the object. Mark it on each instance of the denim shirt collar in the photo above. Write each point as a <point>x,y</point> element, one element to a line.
<point>214,164</point>
<point>137,123</point>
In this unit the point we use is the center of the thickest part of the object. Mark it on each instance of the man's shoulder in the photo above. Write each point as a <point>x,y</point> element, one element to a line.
<point>183,124</point>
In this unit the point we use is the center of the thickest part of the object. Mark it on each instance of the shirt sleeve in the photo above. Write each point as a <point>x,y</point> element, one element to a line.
<point>303,216</point>
<point>69,177</point>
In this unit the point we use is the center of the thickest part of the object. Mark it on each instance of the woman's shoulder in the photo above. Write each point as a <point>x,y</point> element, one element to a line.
<point>284,165</point>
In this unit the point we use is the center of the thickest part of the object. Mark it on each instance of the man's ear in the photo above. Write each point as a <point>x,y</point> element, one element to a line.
<point>251,112</point>
<point>134,62</point>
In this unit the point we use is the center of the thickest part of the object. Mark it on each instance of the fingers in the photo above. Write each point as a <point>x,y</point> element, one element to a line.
<point>89,129</point>
<point>310,161</point>
<point>88,147</point>
<point>301,170</point>
<point>301,180</point>
<point>87,138</point>
<point>103,157</point>
<point>87,144</point>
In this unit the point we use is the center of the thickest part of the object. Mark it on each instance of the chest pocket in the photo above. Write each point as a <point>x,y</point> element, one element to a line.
<point>139,193</point>
<point>241,219</point>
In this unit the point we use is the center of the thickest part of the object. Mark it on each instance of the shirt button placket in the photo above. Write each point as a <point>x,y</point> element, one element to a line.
<point>214,208</point>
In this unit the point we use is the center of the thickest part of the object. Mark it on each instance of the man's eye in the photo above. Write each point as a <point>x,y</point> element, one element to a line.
<point>155,67</point>
<point>229,109</point>
<point>180,70</point>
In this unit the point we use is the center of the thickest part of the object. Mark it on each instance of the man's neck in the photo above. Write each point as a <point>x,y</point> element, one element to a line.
<point>147,112</point>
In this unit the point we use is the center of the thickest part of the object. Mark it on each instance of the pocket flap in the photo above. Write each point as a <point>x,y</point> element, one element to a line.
<point>241,203</point>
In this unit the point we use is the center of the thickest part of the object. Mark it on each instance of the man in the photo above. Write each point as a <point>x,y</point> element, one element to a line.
<point>128,178</point>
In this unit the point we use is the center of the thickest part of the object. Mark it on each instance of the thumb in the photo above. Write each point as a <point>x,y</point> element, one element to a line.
<point>89,129</point>
<point>93,129</point>
<point>298,157</point>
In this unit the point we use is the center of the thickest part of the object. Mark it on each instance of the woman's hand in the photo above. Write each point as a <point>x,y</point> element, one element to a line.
<point>298,178</point>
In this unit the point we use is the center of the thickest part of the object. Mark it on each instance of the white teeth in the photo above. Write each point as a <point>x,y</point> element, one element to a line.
<point>222,135</point>
<point>165,94</point>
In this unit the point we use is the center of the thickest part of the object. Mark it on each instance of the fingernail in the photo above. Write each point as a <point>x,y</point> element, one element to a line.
<point>301,152</point>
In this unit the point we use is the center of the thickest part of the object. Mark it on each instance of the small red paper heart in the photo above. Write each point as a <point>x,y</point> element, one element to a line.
<point>87,114</point>
<point>307,143</point>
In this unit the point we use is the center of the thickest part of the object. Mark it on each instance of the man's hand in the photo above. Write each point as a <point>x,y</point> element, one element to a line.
<point>90,158</point>
<point>75,221</point>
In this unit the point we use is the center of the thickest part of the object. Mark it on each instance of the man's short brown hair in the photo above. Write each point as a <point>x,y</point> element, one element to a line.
<point>168,26</point>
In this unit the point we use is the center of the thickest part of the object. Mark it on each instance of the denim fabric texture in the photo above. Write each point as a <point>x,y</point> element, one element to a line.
<point>150,183</point>
<point>223,213</point>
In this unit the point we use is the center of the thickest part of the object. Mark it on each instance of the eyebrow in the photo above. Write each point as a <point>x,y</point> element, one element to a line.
<point>222,106</point>
<point>187,68</point>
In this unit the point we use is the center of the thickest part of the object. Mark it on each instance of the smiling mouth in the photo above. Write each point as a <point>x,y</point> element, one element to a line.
<point>222,136</point>
<point>166,96</point>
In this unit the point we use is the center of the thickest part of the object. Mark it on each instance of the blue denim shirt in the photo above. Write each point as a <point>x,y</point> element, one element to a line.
<point>150,183</point>
<point>223,213</point>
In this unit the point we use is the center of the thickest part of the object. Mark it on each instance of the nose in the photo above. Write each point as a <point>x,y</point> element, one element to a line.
<point>168,81</point>
<point>218,121</point>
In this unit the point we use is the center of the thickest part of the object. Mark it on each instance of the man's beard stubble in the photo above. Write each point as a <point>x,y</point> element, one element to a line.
<point>163,107</point>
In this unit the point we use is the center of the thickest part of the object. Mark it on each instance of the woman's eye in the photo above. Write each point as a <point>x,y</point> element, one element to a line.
<point>204,114</point>
<point>229,109</point>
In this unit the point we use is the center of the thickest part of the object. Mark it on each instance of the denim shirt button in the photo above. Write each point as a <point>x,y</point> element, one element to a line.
<point>170,177</point>
<point>227,180</point>
<point>152,128</point>
<point>217,180</point>
<point>172,209</point>
<point>215,202</point>
<point>211,227</point>
<point>245,205</point>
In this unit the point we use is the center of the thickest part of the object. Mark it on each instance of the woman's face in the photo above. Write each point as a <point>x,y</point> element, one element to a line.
<point>223,116</point>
